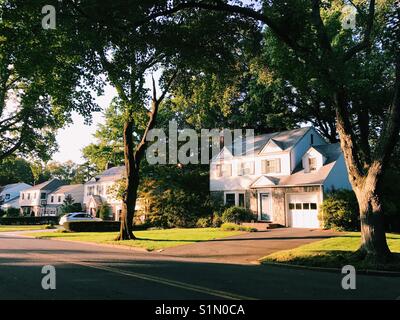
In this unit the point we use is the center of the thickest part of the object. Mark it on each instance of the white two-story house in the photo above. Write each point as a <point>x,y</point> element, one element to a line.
<point>9,195</point>
<point>34,201</point>
<point>284,180</point>
<point>99,191</point>
<point>56,198</point>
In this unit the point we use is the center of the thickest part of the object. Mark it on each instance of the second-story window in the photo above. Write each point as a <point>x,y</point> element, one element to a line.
<point>23,196</point>
<point>90,191</point>
<point>223,170</point>
<point>271,166</point>
<point>43,196</point>
<point>59,198</point>
<point>312,163</point>
<point>52,199</point>
<point>29,196</point>
<point>246,168</point>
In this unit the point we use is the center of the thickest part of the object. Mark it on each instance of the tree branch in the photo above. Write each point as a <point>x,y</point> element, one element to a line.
<point>366,42</point>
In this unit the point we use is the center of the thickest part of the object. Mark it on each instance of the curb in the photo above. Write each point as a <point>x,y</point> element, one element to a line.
<point>333,270</point>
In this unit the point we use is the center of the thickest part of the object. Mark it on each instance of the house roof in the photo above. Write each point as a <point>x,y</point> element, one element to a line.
<point>285,140</point>
<point>112,174</point>
<point>47,185</point>
<point>13,185</point>
<point>69,188</point>
<point>332,152</point>
<point>96,199</point>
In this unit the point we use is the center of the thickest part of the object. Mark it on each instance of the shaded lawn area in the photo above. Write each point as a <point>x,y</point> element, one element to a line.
<point>9,228</point>
<point>148,239</point>
<point>336,253</point>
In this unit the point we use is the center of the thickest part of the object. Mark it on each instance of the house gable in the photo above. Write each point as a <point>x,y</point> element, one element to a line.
<point>271,147</point>
<point>263,181</point>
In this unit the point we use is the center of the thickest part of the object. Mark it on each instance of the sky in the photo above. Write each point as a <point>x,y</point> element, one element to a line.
<point>72,139</point>
<point>77,135</point>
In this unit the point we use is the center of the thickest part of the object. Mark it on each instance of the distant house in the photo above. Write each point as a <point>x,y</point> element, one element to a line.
<point>97,193</point>
<point>284,181</point>
<point>9,195</point>
<point>56,198</point>
<point>34,201</point>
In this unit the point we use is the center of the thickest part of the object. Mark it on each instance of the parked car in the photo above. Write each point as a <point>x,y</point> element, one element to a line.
<point>78,216</point>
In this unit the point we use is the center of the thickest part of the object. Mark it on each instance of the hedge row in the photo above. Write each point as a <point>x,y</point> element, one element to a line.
<point>29,220</point>
<point>92,226</point>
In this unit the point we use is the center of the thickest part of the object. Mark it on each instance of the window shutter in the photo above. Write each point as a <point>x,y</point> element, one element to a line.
<point>240,169</point>
<point>264,166</point>
<point>251,167</point>
<point>278,165</point>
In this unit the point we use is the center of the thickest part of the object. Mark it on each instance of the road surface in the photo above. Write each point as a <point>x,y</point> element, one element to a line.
<point>94,272</point>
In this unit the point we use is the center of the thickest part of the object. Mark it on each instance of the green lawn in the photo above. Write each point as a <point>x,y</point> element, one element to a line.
<point>335,253</point>
<point>148,239</point>
<point>21,228</point>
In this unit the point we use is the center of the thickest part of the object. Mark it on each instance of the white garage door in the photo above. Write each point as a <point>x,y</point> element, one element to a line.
<point>303,210</point>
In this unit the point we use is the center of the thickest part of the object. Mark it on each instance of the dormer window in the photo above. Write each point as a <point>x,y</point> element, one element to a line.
<point>311,139</point>
<point>312,164</point>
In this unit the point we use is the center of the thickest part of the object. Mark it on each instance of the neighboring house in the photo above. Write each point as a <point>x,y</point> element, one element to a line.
<point>284,181</point>
<point>9,195</point>
<point>33,201</point>
<point>56,198</point>
<point>97,192</point>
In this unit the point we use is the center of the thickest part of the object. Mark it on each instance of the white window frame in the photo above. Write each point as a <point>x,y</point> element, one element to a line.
<point>276,169</point>
<point>245,168</point>
<point>315,160</point>
<point>236,193</point>
<point>220,169</point>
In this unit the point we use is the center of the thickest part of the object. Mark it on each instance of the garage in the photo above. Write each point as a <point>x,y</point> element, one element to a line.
<point>303,210</point>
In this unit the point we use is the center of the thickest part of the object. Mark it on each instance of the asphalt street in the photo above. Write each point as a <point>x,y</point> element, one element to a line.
<point>86,271</point>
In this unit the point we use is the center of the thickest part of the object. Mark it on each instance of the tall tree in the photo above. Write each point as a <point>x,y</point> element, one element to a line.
<point>127,56</point>
<point>41,81</point>
<point>313,31</point>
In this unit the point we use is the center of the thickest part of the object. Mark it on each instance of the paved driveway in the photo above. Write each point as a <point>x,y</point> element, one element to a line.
<point>247,248</point>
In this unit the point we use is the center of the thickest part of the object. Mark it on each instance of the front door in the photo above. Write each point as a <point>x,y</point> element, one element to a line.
<point>265,207</point>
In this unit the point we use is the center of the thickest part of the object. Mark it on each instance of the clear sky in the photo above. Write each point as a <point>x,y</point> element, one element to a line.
<point>73,138</point>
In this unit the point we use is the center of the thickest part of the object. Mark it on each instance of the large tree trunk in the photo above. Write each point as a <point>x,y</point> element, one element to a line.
<point>373,239</point>
<point>366,184</point>
<point>132,184</point>
<point>133,158</point>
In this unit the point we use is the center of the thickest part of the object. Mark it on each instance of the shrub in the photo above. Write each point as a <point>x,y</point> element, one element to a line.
<point>237,227</point>
<point>237,215</point>
<point>29,220</point>
<point>104,211</point>
<point>92,226</point>
<point>69,205</point>
<point>12,212</point>
<point>339,211</point>
<point>217,220</point>
<point>204,223</point>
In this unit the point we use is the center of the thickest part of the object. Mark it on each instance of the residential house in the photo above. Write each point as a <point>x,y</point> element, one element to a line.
<point>284,180</point>
<point>99,191</point>
<point>34,201</point>
<point>9,195</point>
<point>56,198</point>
